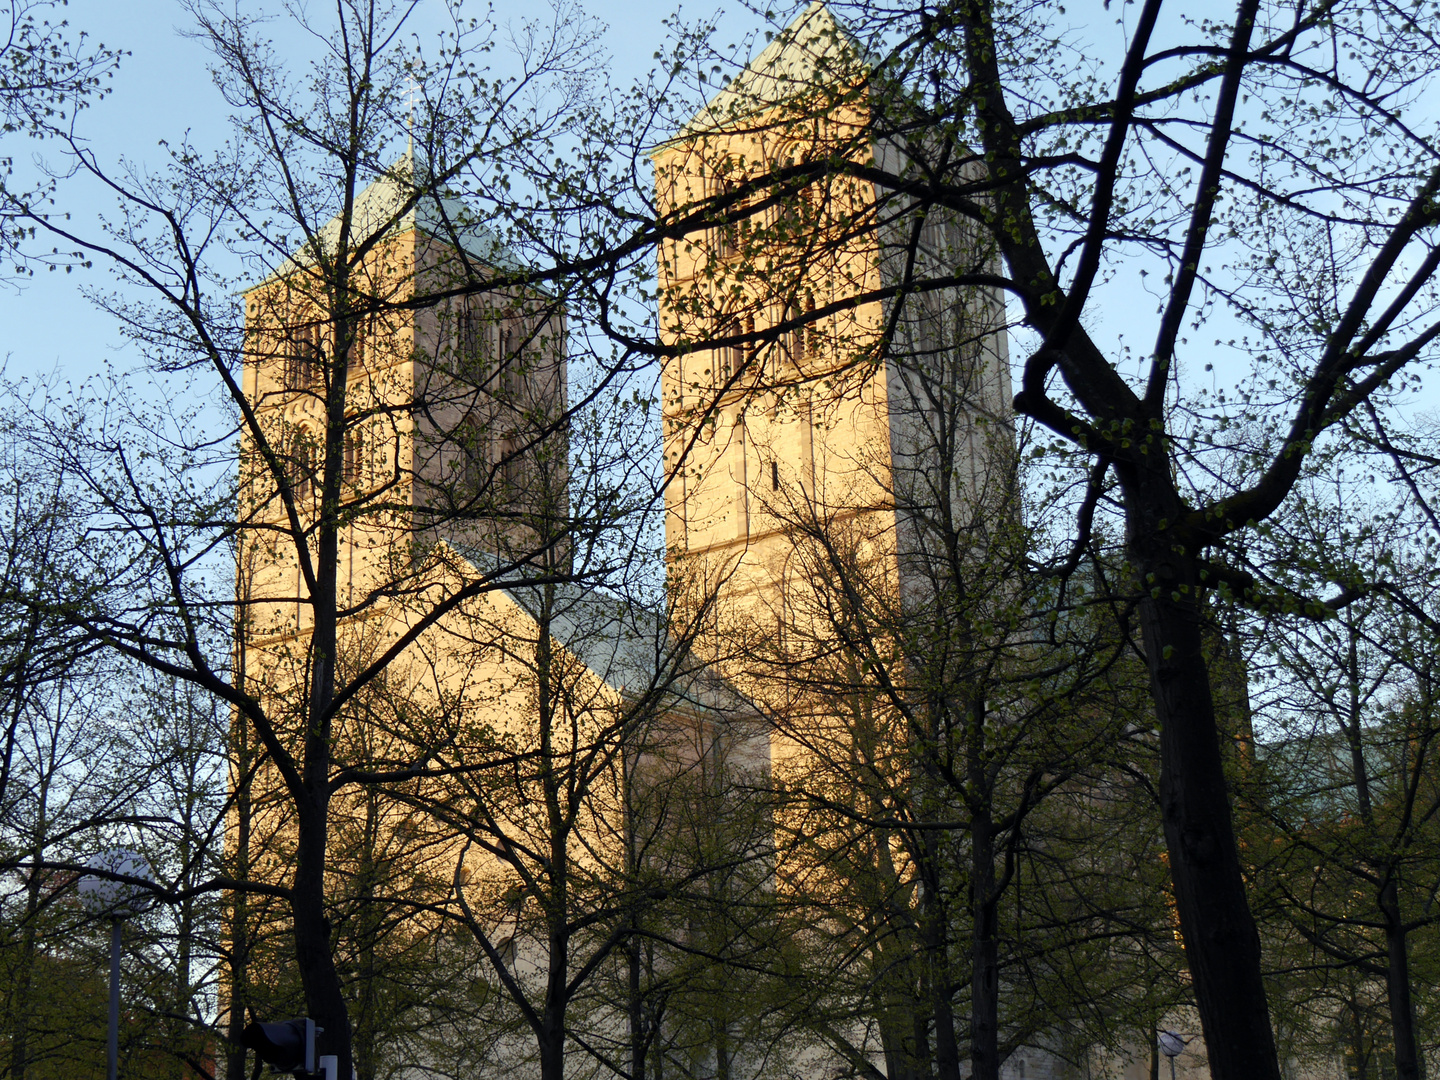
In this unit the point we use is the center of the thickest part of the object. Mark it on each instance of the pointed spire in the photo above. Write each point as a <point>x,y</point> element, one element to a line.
<point>815,50</point>
<point>410,121</point>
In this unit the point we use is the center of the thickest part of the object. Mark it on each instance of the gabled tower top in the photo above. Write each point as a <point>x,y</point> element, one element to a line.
<point>815,50</point>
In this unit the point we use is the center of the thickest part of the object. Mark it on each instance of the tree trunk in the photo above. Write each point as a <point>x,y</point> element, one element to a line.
<point>639,1032</point>
<point>920,1060</point>
<point>368,927</point>
<point>1359,1053</point>
<point>552,1024</point>
<point>324,998</point>
<point>551,1036</point>
<point>24,975</point>
<point>1397,980</point>
<point>1221,942</point>
<point>894,1046</point>
<point>239,928</point>
<point>722,1053</point>
<point>937,950</point>
<point>324,994</point>
<point>552,1045</point>
<point>1222,946</point>
<point>1408,1061</point>
<point>903,994</point>
<point>657,1020</point>
<point>985,954</point>
<point>25,967</point>
<point>183,1042</point>
<point>637,1016</point>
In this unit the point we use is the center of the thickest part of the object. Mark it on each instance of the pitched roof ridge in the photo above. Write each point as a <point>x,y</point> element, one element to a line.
<point>815,49</point>
<point>445,217</point>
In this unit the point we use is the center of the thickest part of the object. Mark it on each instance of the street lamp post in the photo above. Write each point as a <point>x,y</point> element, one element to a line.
<point>116,900</point>
<point>1171,1045</point>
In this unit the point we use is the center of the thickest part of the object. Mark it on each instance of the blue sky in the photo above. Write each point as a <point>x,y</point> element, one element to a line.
<point>162,90</point>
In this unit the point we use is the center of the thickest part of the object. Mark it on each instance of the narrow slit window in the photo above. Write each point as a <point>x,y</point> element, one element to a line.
<point>474,456</point>
<point>301,466</point>
<point>356,464</point>
<point>727,357</point>
<point>470,342</point>
<point>793,340</point>
<point>302,358</point>
<point>512,465</point>
<point>724,236</point>
<point>355,356</point>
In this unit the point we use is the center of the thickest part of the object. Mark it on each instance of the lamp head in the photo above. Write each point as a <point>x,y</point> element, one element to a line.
<point>110,897</point>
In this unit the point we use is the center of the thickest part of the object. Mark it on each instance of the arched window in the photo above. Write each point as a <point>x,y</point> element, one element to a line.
<point>303,357</point>
<point>725,238</point>
<point>472,341</point>
<point>355,355</point>
<point>358,470</point>
<point>300,465</point>
<point>730,358</point>
<point>800,338</point>
<point>473,452</point>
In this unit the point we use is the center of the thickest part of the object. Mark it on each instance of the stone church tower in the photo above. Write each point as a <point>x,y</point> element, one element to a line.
<point>449,407</point>
<point>801,399</point>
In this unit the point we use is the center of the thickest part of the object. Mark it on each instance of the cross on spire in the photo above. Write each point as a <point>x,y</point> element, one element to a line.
<point>410,105</point>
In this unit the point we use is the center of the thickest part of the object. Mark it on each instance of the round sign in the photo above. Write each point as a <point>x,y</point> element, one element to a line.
<point>110,897</point>
<point>1171,1044</point>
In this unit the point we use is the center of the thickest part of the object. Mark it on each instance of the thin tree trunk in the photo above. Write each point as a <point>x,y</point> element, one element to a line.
<point>985,954</point>
<point>937,950</point>
<point>238,857</point>
<point>366,1014</point>
<point>552,1023</point>
<point>239,911</point>
<point>639,1034</point>
<point>1409,1064</point>
<point>722,1053</point>
<point>920,1060</point>
<point>20,998</point>
<point>657,1019</point>
<point>637,1016</point>
<point>183,1042</point>
<point>1359,1055</point>
<point>34,886</point>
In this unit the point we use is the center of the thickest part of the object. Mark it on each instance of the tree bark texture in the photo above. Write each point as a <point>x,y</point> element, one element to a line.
<point>324,998</point>
<point>1408,1062</point>
<point>985,955</point>
<point>1222,945</point>
<point>934,914</point>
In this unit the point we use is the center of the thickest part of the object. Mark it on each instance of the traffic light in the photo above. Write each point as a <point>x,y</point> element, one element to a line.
<point>288,1046</point>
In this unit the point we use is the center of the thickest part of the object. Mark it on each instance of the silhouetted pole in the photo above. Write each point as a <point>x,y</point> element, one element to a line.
<point>112,1040</point>
<point>115,900</point>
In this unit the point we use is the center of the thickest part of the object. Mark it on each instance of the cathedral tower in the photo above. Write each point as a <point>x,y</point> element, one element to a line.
<point>809,397</point>
<point>450,408</point>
